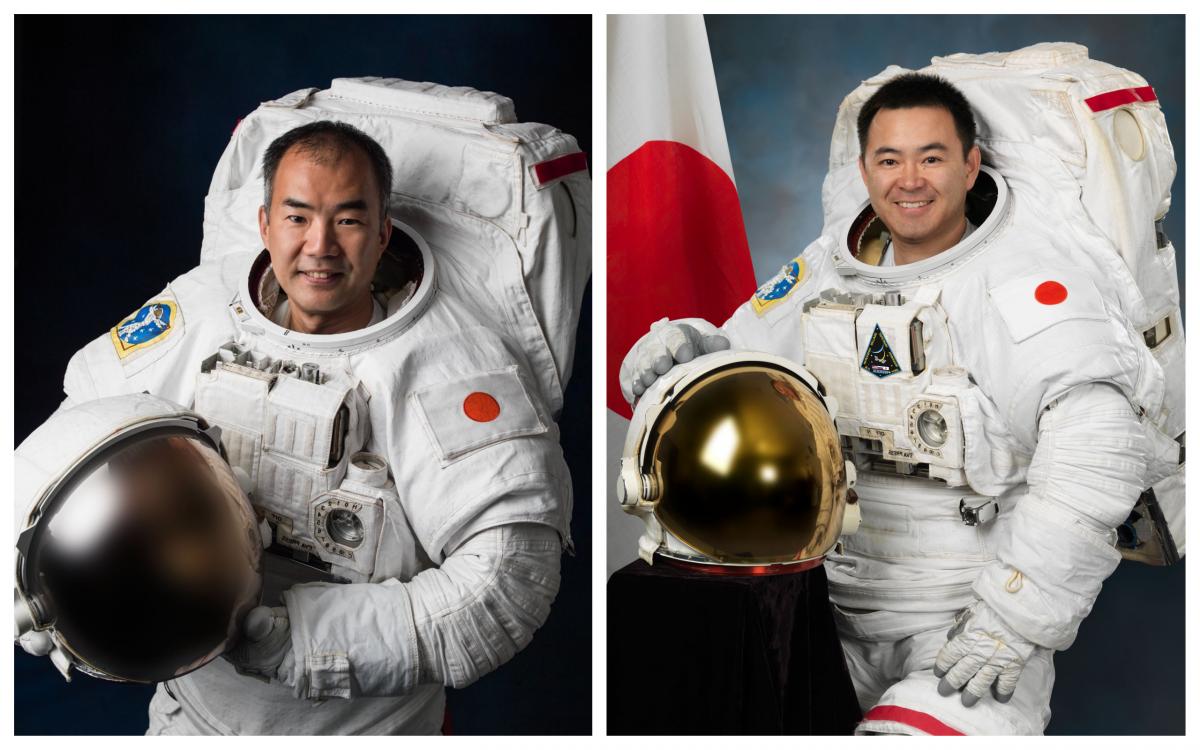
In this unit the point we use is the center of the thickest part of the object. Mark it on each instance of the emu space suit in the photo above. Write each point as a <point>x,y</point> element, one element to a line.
<point>1005,401</point>
<point>446,571</point>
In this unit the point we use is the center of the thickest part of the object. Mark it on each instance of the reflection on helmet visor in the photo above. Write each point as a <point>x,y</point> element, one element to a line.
<point>750,468</point>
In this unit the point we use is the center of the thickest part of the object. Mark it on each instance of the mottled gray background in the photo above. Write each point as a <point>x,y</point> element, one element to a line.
<point>781,79</point>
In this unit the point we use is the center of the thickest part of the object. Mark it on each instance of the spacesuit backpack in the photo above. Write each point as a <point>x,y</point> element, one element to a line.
<point>504,206</point>
<point>1087,141</point>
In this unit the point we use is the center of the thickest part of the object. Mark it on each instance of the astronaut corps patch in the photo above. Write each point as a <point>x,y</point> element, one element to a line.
<point>150,325</point>
<point>879,360</point>
<point>778,287</point>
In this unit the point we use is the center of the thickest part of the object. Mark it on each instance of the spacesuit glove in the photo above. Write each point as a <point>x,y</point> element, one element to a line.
<point>666,344</point>
<point>36,642</point>
<point>265,649</point>
<point>982,652</point>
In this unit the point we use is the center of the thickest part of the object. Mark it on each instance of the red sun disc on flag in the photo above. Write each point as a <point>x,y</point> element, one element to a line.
<point>481,407</point>
<point>1050,293</point>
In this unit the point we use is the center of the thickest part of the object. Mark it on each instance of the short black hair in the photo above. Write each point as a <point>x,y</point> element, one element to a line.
<point>326,141</point>
<point>919,90</point>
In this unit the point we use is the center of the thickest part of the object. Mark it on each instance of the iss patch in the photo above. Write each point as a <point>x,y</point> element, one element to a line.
<point>778,287</point>
<point>151,324</point>
<point>879,360</point>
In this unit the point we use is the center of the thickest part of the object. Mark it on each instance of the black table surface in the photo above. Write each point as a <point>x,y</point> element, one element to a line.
<point>691,652</point>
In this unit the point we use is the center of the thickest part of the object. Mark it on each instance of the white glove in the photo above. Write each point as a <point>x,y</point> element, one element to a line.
<point>982,652</point>
<point>36,642</point>
<point>265,650</point>
<point>668,343</point>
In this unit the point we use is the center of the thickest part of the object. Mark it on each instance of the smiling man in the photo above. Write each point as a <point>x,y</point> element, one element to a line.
<point>991,390</point>
<point>324,223</point>
<point>410,476</point>
<point>918,160</point>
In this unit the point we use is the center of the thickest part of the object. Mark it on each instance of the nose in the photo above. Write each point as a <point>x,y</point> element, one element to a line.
<point>911,177</point>
<point>321,239</point>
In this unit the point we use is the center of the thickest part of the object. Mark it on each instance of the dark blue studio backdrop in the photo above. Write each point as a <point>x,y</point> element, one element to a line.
<point>781,80</point>
<point>119,125</point>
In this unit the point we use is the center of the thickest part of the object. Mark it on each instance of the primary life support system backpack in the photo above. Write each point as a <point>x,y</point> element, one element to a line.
<point>1097,139</point>
<point>504,206</point>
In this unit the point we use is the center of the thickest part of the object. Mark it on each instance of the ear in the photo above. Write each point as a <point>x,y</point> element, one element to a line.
<point>974,158</point>
<point>262,224</point>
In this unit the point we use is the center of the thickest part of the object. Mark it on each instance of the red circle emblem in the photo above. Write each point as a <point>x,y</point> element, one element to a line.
<point>1050,293</point>
<point>481,407</point>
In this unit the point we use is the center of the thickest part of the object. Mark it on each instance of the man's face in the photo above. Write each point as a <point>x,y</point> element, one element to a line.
<point>918,178</point>
<point>325,234</point>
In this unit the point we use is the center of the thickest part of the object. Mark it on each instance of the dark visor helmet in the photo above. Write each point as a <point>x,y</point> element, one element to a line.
<point>139,553</point>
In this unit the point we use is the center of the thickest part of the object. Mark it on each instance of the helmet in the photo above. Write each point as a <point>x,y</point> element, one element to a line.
<point>140,552</point>
<point>733,459</point>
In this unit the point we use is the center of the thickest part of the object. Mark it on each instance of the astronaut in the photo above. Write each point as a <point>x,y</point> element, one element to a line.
<point>397,446</point>
<point>1002,410</point>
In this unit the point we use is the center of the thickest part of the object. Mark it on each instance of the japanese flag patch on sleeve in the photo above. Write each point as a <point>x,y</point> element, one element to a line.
<point>1031,304</point>
<point>150,326</point>
<point>464,415</point>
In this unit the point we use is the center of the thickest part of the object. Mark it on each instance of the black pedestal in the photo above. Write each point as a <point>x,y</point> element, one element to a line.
<point>695,653</point>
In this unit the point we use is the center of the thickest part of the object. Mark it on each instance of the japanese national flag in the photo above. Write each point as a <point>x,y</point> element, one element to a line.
<point>676,241</point>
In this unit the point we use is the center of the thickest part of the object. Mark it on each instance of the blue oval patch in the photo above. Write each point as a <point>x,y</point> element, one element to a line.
<point>145,325</point>
<point>779,287</point>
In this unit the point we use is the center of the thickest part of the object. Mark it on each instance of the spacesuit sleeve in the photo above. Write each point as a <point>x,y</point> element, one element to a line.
<point>1086,475</point>
<point>449,625</point>
<point>485,488</point>
<point>1072,381</point>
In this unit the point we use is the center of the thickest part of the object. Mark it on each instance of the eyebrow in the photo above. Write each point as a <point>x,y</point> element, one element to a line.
<point>357,204</point>
<point>935,146</point>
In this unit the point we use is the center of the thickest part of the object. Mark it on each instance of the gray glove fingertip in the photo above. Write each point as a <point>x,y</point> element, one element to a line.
<point>663,363</point>
<point>945,689</point>
<point>714,344</point>
<point>685,353</point>
<point>969,699</point>
<point>1001,697</point>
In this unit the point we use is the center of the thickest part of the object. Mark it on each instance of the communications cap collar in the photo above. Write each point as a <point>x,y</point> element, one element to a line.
<point>404,249</point>
<point>990,192</point>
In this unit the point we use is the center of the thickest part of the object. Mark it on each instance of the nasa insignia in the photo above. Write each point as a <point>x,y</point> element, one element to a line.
<point>150,325</point>
<point>779,287</point>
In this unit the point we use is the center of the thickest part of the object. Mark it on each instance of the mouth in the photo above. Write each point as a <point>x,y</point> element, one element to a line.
<point>321,278</point>
<point>913,205</point>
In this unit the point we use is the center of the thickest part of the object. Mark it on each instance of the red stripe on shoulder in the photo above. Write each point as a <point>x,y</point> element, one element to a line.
<point>1120,97</point>
<point>562,166</point>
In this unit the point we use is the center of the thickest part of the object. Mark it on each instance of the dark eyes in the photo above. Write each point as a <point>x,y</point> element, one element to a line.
<point>296,219</point>
<point>926,160</point>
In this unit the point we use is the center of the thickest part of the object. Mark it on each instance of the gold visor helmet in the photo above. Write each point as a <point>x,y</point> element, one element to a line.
<point>733,459</point>
<point>140,553</point>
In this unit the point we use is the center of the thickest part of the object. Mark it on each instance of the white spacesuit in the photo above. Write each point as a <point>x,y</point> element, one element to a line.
<point>1004,401</point>
<point>414,462</point>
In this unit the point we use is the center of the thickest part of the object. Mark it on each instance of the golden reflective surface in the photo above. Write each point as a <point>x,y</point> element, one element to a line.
<point>749,467</point>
